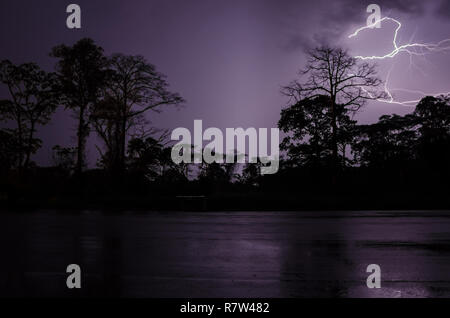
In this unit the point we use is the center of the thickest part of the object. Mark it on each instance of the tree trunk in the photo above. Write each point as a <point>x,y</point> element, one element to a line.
<point>115,150</point>
<point>344,149</point>
<point>123,144</point>
<point>30,142</point>
<point>122,139</point>
<point>20,133</point>
<point>335,161</point>
<point>81,137</point>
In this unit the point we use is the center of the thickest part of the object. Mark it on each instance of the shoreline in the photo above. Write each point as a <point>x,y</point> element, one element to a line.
<point>229,204</point>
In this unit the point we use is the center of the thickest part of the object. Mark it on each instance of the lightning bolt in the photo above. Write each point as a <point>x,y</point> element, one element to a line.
<point>412,49</point>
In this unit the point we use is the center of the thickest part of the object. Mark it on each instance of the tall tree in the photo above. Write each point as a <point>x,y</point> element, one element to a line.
<point>150,156</point>
<point>33,101</point>
<point>82,73</point>
<point>9,151</point>
<point>432,116</point>
<point>332,72</point>
<point>390,141</point>
<point>135,87</point>
<point>308,128</point>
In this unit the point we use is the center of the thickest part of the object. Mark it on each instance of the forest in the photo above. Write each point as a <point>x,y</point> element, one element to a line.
<point>328,159</point>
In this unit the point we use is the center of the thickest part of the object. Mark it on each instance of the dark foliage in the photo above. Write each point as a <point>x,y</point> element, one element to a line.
<point>397,162</point>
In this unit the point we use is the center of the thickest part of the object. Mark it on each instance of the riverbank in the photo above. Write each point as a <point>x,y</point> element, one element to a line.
<point>234,202</point>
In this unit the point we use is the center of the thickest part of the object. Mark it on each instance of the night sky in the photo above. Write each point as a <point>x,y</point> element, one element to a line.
<point>228,59</point>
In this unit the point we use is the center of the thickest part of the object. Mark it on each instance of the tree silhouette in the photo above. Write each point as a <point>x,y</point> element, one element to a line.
<point>33,101</point>
<point>217,175</point>
<point>147,155</point>
<point>135,87</point>
<point>251,174</point>
<point>82,74</point>
<point>432,116</point>
<point>390,141</point>
<point>404,155</point>
<point>347,82</point>
<point>308,128</point>
<point>423,135</point>
<point>9,151</point>
<point>64,158</point>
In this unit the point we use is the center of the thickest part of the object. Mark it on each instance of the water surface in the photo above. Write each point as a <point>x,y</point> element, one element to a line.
<point>226,254</point>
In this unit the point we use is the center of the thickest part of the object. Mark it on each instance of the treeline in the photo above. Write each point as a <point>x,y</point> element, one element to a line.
<point>398,154</point>
<point>328,159</point>
<point>106,95</point>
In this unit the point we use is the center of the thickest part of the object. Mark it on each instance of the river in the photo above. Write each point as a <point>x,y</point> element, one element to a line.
<point>226,254</point>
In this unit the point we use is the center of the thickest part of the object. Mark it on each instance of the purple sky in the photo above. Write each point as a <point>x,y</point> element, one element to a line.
<point>227,58</point>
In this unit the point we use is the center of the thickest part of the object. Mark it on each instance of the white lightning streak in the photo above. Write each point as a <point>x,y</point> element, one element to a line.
<point>413,49</point>
<point>443,45</point>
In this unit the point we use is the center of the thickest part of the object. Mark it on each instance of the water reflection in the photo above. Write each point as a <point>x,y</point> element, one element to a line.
<point>236,254</point>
